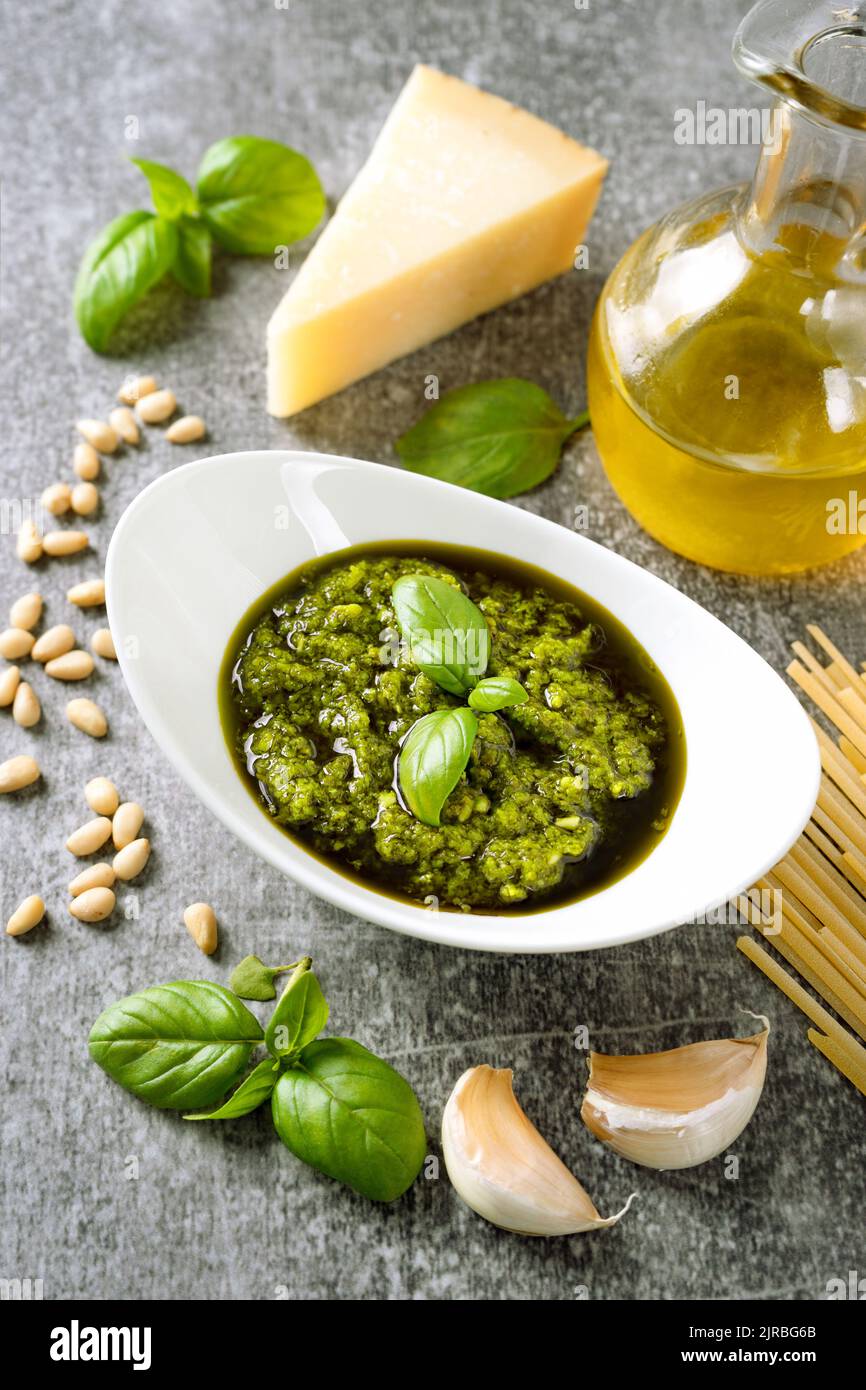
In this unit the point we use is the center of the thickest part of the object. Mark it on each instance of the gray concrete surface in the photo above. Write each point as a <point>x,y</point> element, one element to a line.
<point>103,1197</point>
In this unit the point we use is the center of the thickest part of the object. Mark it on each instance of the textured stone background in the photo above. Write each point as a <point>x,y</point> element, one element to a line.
<point>225,1212</point>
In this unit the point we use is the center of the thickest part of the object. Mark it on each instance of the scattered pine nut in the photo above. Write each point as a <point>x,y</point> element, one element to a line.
<point>86,462</point>
<point>95,876</point>
<point>26,611</point>
<point>124,423</point>
<point>129,861</point>
<point>84,499</point>
<point>65,542</point>
<point>128,820</point>
<point>102,643</point>
<point>18,772</point>
<point>90,837</point>
<point>57,499</point>
<point>26,916</point>
<point>88,717</point>
<point>135,387</point>
<point>16,642</point>
<point>29,544</point>
<point>10,679</point>
<point>98,434</point>
<point>102,796</point>
<point>76,665</point>
<point>26,709</point>
<point>201,923</point>
<point>156,406</point>
<point>90,594</point>
<point>93,905</point>
<point>185,430</point>
<point>53,643</point>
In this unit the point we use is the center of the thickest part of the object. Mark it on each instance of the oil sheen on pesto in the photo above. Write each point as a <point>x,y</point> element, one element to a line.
<point>562,794</point>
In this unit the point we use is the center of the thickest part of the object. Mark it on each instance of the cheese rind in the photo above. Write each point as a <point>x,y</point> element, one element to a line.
<point>465,203</point>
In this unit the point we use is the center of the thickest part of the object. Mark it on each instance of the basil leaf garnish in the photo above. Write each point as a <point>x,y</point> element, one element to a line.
<point>127,258</point>
<point>496,692</point>
<point>496,437</point>
<point>253,1091</point>
<point>432,758</point>
<point>300,1015</point>
<point>252,979</point>
<point>171,194</point>
<point>191,265</point>
<point>347,1113</point>
<point>178,1046</point>
<point>256,194</point>
<point>445,633</point>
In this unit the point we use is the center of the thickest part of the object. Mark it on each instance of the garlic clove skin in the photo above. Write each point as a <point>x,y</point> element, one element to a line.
<point>502,1167</point>
<point>680,1108</point>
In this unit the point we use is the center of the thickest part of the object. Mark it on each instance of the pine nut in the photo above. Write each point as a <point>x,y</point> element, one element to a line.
<point>65,542</point>
<point>26,709</point>
<point>29,544</point>
<point>54,642</point>
<point>9,682</point>
<point>26,611</point>
<point>76,665</point>
<point>84,499</point>
<point>88,717</point>
<point>26,916</point>
<point>102,643</point>
<point>135,387</point>
<point>185,430</point>
<point>57,499</point>
<point>201,923</point>
<point>90,837</point>
<point>128,820</point>
<point>16,642</point>
<point>102,796</point>
<point>93,905</point>
<point>157,406</point>
<point>86,462</point>
<point>100,435</point>
<point>129,861</point>
<point>96,876</point>
<point>90,594</point>
<point>18,772</point>
<point>124,423</point>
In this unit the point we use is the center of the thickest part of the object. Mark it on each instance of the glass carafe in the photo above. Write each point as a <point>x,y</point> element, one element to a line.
<point>727,361</point>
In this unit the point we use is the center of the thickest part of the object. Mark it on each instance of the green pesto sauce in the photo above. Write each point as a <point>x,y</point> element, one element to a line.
<point>562,795</point>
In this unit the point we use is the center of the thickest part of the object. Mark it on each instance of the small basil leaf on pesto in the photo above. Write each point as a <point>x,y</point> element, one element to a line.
<point>127,259</point>
<point>496,692</point>
<point>445,633</point>
<point>171,194</point>
<point>256,194</point>
<point>253,1091</point>
<point>433,756</point>
<point>300,1015</point>
<point>497,437</point>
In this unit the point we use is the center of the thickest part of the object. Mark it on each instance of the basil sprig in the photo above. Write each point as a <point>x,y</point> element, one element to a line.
<point>251,196</point>
<point>496,437</point>
<point>334,1104</point>
<point>447,636</point>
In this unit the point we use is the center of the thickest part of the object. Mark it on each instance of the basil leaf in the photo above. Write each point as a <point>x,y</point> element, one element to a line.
<point>300,1015</point>
<point>496,692</point>
<point>497,437</point>
<point>256,194</point>
<point>252,1092</point>
<point>127,258</point>
<point>177,1046</point>
<point>191,268</point>
<point>347,1113</point>
<point>432,758</point>
<point>446,635</point>
<point>171,194</point>
<point>252,979</point>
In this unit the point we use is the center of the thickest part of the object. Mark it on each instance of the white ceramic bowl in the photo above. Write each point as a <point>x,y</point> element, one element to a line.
<point>202,543</point>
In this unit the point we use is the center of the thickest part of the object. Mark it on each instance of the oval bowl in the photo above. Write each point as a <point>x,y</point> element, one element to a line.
<point>198,546</point>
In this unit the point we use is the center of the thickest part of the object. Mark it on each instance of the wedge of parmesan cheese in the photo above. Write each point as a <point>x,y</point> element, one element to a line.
<point>465,202</point>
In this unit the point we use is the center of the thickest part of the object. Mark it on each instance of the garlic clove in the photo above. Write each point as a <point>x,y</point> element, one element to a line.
<point>502,1167</point>
<point>679,1108</point>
